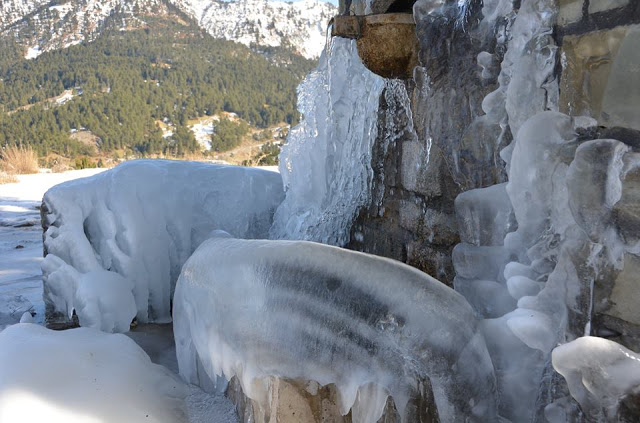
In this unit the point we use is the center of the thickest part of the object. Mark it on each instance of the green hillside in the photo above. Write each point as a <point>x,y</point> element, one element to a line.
<point>124,82</point>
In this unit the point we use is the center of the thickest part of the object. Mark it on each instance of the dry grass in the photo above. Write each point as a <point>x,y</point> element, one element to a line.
<point>5,178</point>
<point>19,160</point>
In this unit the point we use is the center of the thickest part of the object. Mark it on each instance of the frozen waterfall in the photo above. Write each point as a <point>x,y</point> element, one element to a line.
<point>326,162</point>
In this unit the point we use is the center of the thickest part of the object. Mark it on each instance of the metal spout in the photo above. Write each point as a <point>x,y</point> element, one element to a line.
<point>387,43</point>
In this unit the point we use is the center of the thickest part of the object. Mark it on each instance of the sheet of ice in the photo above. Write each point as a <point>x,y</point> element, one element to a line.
<point>326,162</point>
<point>141,221</point>
<point>83,375</point>
<point>599,372</point>
<point>298,310</point>
<point>21,243</point>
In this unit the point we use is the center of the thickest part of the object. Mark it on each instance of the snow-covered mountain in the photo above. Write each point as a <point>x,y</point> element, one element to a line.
<point>301,25</point>
<point>46,25</point>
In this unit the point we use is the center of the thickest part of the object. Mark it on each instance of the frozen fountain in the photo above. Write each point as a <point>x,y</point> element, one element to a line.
<point>472,165</point>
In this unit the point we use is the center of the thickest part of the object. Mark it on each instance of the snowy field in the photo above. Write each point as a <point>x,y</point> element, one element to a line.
<point>21,291</point>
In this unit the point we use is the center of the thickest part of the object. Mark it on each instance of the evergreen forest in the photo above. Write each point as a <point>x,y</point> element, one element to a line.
<point>124,85</point>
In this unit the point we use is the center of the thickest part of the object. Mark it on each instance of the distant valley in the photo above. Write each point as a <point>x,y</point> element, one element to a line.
<point>105,80</point>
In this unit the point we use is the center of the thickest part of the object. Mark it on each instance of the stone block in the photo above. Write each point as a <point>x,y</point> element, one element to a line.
<point>569,11</point>
<point>621,102</point>
<point>601,76</point>
<point>596,6</point>
<point>626,292</point>
<point>419,168</point>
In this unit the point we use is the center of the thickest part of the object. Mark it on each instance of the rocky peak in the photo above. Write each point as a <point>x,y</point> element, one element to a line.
<point>47,25</point>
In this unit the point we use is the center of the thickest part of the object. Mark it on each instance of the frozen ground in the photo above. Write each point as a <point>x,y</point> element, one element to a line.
<point>21,283</point>
<point>21,243</point>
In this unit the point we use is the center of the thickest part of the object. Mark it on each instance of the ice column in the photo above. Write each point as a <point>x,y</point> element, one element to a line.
<point>326,162</point>
<point>510,275</point>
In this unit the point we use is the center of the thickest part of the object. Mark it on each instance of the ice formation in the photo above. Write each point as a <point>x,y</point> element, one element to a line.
<point>526,272</point>
<point>83,376</point>
<point>116,242</point>
<point>326,162</point>
<point>298,310</point>
<point>600,373</point>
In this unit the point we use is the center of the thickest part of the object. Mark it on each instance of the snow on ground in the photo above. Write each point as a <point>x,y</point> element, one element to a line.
<point>62,9</point>
<point>21,243</point>
<point>202,131</point>
<point>33,52</point>
<point>83,375</point>
<point>36,385</point>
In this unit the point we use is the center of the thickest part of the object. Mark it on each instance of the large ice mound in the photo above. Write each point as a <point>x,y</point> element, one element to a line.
<point>298,310</point>
<point>127,232</point>
<point>83,376</point>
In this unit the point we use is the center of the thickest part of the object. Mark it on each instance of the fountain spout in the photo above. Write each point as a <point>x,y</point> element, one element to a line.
<point>387,43</point>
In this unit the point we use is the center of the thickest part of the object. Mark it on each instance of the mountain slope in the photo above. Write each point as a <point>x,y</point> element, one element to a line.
<point>40,26</point>
<point>122,91</point>
<point>301,25</point>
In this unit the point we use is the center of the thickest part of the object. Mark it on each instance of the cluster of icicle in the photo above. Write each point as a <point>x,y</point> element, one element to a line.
<point>116,242</point>
<point>559,197</point>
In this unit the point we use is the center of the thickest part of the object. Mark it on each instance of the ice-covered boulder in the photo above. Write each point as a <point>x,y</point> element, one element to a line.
<point>296,310</point>
<point>128,231</point>
<point>83,376</point>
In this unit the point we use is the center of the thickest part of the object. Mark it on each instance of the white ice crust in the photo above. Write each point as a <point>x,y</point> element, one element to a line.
<point>298,310</point>
<point>83,376</point>
<point>116,241</point>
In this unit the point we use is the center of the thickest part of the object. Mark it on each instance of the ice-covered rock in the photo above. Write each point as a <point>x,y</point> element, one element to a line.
<point>600,373</point>
<point>521,286</point>
<point>326,162</point>
<point>480,262</point>
<point>298,310</point>
<point>83,376</point>
<point>120,238</point>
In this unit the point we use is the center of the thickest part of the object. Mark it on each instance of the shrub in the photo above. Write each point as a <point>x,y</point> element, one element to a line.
<point>19,160</point>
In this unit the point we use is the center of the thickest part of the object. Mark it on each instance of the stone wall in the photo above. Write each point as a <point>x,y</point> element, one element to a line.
<point>421,168</point>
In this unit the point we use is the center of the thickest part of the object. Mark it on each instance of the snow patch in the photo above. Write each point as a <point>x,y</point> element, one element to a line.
<point>83,375</point>
<point>33,52</point>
